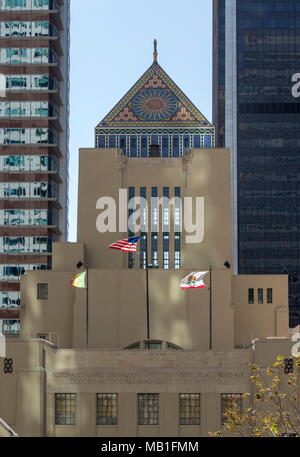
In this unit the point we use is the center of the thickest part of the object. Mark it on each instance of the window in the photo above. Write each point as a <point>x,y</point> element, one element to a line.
<point>107,409</point>
<point>65,409</point>
<point>42,291</point>
<point>8,366</point>
<point>148,409</point>
<point>288,366</point>
<point>269,295</point>
<point>260,296</point>
<point>189,409</point>
<point>228,401</point>
<point>154,345</point>
<point>154,150</point>
<point>131,195</point>
<point>154,249</point>
<point>42,336</point>
<point>251,296</point>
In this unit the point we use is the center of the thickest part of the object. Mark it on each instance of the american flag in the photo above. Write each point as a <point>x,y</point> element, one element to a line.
<point>128,245</point>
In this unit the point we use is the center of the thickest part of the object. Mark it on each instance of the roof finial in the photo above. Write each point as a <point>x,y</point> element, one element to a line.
<point>155,51</point>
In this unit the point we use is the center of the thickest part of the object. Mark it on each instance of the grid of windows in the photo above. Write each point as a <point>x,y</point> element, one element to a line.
<point>18,109</point>
<point>227,402</point>
<point>28,190</point>
<point>268,37</point>
<point>18,163</point>
<point>27,56</point>
<point>27,29</point>
<point>65,409</point>
<point>9,299</point>
<point>30,82</point>
<point>107,413</point>
<point>148,409</point>
<point>189,409</point>
<point>17,244</point>
<point>161,144</point>
<point>42,291</point>
<point>27,5</point>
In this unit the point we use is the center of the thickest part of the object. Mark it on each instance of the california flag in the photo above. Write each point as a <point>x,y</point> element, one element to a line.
<point>194,281</point>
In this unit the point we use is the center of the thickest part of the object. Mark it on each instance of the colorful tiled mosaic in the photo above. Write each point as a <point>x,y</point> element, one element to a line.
<point>155,114</point>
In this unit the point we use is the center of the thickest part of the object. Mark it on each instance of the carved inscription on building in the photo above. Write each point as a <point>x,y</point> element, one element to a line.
<point>159,378</point>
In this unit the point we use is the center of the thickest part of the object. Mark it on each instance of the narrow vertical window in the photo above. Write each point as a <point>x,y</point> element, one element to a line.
<point>251,296</point>
<point>166,209</point>
<point>166,245</point>
<point>131,195</point>
<point>154,249</point>
<point>269,295</point>
<point>123,145</point>
<point>144,146</point>
<point>133,146</point>
<point>143,194</point>
<point>177,229</point>
<point>260,296</point>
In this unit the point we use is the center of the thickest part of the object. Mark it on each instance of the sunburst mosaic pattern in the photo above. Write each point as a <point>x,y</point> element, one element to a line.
<point>155,104</point>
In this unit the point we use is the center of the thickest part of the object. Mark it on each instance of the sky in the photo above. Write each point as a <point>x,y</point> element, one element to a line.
<point>112,46</point>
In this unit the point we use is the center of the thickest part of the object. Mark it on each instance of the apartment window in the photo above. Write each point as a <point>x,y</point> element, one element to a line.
<point>65,409</point>
<point>148,409</point>
<point>189,409</point>
<point>107,409</point>
<point>42,291</point>
<point>251,296</point>
<point>260,296</point>
<point>269,295</point>
<point>227,402</point>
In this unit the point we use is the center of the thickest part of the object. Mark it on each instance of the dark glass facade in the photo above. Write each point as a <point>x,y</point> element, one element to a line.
<point>268,141</point>
<point>219,72</point>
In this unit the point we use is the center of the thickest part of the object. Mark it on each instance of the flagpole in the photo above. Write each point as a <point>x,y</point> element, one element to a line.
<point>87,306</point>
<point>210,308</point>
<point>147,295</point>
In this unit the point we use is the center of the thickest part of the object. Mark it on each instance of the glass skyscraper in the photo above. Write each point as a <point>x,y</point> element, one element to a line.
<point>34,113</point>
<point>256,115</point>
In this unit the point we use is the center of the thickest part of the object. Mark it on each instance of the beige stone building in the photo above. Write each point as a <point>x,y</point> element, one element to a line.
<point>54,383</point>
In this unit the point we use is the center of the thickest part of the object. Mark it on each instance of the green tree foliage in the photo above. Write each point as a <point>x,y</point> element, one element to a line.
<point>274,410</point>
